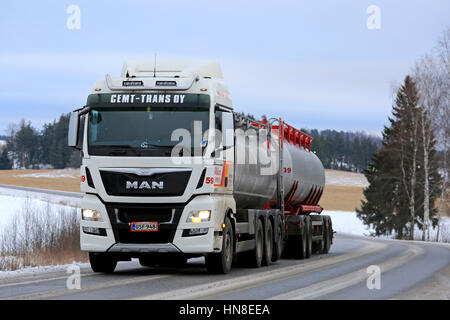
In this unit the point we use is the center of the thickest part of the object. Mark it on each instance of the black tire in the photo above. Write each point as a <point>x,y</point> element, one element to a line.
<point>148,261</point>
<point>318,246</point>
<point>308,230</point>
<point>102,262</point>
<point>303,243</point>
<point>326,234</point>
<point>268,245</point>
<point>221,262</point>
<point>277,241</point>
<point>298,243</point>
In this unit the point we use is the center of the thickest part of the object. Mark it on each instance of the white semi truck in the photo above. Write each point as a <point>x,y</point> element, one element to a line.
<point>169,172</point>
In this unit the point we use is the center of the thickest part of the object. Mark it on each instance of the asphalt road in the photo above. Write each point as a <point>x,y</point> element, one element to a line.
<point>409,270</point>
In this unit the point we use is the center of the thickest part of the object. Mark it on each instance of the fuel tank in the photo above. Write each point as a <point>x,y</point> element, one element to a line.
<point>303,175</point>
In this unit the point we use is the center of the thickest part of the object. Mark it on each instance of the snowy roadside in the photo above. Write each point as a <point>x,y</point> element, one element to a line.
<point>37,230</point>
<point>70,199</point>
<point>32,271</point>
<point>348,223</point>
<point>12,204</point>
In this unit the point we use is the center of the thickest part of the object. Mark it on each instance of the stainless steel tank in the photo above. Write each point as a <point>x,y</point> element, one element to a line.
<point>303,168</point>
<point>252,189</point>
<point>303,175</point>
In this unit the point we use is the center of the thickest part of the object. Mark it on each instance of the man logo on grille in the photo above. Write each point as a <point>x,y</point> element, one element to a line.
<point>145,185</point>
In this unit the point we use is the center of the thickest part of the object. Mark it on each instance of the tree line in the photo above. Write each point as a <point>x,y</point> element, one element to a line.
<point>408,175</point>
<point>340,150</point>
<point>29,148</point>
<point>344,150</point>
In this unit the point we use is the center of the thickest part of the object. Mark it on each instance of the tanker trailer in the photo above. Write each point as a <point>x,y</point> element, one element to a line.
<point>294,189</point>
<point>160,186</point>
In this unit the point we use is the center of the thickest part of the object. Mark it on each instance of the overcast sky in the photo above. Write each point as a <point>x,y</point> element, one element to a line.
<point>314,63</point>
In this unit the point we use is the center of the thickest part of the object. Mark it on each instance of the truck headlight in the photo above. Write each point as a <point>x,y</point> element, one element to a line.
<point>199,216</point>
<point>91,215</point>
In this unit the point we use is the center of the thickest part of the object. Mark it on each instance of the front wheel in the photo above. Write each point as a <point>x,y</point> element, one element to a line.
<point>101,262</point>
<point>221,262</point>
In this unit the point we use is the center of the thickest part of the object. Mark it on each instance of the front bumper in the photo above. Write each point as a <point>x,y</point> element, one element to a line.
<point>144,248</point>
<point>169,239</point>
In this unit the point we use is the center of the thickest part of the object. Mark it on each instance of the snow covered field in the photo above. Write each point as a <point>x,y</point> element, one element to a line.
<point>344,178</point>
<point>53,174</point>
<point>11,205</point>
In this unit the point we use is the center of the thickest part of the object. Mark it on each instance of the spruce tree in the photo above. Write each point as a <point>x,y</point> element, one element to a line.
<point>5,163</point>
<point>394,198</point>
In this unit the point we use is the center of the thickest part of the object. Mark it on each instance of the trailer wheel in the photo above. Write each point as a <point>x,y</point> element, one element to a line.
<point>102,262</point>
<point>221,262</point>
<point>308,237</point>
<point>268,245</point>
<point>326,234</point>
<point>303,243</point>
<point>277,241</point>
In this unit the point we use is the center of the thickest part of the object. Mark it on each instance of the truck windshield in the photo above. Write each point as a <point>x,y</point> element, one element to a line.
<point>143,131</point>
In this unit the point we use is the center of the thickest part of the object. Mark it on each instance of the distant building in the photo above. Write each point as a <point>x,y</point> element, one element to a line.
<point>2,144</point>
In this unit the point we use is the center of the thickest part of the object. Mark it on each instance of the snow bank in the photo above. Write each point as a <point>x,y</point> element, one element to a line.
<point>72,198</point>
<point>11,205</point>
<point>41,269</point>
<point>347,222</point>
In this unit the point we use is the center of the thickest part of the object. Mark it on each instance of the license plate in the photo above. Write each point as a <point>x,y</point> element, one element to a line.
<point>144,226</point>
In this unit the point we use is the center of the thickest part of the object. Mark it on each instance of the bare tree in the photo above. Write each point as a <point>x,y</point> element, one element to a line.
<point>443,114</point>
<point>431,74</point>
<point>429,99</point>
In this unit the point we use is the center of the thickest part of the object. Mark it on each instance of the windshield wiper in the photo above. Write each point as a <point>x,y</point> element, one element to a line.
<point>157,146</point>
<point>125,146</point>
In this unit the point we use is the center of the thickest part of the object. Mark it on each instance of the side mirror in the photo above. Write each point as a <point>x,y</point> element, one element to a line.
<point>227,129</point>
<point>72,137</point>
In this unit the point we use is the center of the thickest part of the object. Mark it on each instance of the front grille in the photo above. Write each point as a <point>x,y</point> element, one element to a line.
<point>158,184</point>
<point>121,215</point>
